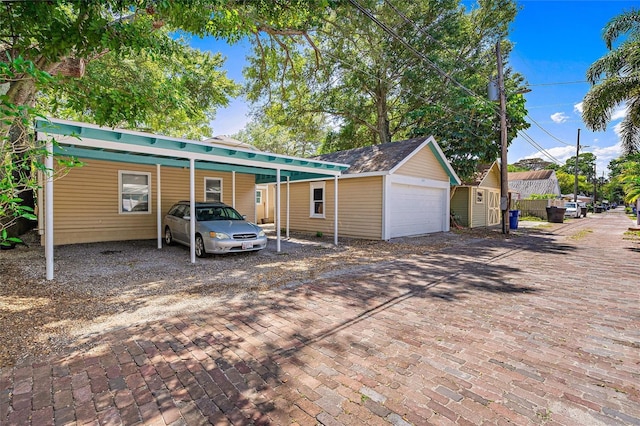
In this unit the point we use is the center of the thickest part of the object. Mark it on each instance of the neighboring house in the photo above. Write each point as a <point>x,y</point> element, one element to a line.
<point>390,190</point>
<point>130,179</point>
<point>525,184</point>
<point>476,203</point>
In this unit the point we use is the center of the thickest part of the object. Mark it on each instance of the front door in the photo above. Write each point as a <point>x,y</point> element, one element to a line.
<point>260,205</point>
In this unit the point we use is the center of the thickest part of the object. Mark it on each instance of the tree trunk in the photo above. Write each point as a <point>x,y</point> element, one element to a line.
<point>382,122</point>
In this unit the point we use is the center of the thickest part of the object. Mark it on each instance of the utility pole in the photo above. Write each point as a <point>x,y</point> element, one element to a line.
<point>575,183</point>
<point>504,176</point>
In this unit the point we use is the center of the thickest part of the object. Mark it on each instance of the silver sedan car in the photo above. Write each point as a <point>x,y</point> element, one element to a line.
<point>219,229</point>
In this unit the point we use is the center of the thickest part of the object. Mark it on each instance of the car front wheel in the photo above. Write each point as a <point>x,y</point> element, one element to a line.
<point>200,251</point>
<point>168,236</point>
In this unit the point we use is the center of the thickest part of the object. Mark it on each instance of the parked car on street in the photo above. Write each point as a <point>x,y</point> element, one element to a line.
<point>219,229</point>
<point>573,208</point>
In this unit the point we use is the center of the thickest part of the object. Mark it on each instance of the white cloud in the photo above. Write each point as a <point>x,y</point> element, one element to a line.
<point>617,128</point>
<point>562,153</point>
<point>578,108</point>
<point>559,117</point>
<point>618,113</point>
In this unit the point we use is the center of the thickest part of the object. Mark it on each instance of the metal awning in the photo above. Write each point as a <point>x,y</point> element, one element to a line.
<point>89,141</point>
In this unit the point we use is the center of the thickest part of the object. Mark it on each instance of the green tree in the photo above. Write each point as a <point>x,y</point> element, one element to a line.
<point>280,139</point>
<point>567,181</point>
<point>618,175</point>
<point>373,89</point>
<point>533,164</point>
<point>615,79</point>
<point>630,178</point>
<point>586,166</point>
<point>175,94</point>
<point>62,38</point>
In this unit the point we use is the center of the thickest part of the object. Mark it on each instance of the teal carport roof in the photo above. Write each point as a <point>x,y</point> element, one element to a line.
<point>88,141</point>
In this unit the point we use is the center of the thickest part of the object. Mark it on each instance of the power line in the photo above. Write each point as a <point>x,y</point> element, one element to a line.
<point>446,75</point>
<point>558,83</point>
<point>546,131</point>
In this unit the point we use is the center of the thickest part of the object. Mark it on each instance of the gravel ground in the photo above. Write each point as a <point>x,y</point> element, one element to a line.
<point>103,286</point>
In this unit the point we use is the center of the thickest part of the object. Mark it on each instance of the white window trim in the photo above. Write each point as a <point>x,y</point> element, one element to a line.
<point>480,196</point>
<point>149,201</point>
<point>312,186</point>
<point>221,187</point>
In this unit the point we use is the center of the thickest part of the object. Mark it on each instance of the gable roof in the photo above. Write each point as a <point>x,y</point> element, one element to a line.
<point>387,157</point>
<point>534,182</point>
<point>481,173</point>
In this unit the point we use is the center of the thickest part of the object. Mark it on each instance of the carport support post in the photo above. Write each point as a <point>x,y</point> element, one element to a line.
<point>48,218</point>
<point>335,210</point>
<point>192,209</point>
<point>278,210</point>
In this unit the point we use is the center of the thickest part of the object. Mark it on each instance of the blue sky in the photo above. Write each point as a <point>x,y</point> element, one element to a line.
<point>555,42</point>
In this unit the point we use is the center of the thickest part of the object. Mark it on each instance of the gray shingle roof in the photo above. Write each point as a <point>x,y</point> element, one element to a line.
<point>374,158</point>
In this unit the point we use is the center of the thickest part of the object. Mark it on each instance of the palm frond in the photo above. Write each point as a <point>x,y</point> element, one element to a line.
<point>603,98</point>
<point>628,21</point>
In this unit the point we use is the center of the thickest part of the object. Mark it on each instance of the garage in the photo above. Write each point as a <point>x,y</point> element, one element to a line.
<point>416,210</point>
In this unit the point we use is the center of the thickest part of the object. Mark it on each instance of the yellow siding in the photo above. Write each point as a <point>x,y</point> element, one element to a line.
<point>424,165</point>
<point>359,208</point>
<point>492,180</point>
<point>479,210</point>
<point>86,204</point>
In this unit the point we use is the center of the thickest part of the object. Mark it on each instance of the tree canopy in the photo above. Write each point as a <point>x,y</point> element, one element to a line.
<point>426,76</point>
<point>117,62</point>
<point>615,80</point>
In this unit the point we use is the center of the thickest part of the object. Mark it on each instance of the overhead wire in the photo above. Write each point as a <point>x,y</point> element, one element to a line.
<point>443,73</point>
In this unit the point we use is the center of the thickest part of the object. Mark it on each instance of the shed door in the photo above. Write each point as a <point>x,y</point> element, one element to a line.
<point>493,216</point>
<point>416,210</point>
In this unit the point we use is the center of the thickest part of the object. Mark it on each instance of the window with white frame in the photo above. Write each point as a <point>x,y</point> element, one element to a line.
<point>317,199</point>
<point>213,189</point>
<point>134,192</point>
<point>480,196</point>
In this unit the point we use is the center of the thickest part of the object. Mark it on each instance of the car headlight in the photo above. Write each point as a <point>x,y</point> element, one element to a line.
<point>219,235</point>
<point>261,233</point>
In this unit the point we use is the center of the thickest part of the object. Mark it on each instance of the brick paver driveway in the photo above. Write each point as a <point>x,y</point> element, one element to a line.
<point>543,329</point>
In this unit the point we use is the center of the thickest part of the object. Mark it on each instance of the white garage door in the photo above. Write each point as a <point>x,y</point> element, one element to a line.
<point>416,210</point>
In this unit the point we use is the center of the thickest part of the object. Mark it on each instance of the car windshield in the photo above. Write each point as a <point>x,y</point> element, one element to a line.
<point>204,214</point>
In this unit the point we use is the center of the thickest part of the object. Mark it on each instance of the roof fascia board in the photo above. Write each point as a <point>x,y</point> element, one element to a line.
<point>175,147</point>
<point>173,153</point>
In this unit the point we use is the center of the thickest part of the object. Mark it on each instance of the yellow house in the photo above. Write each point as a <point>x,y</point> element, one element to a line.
<point>476,203</point>
<point>391,190</point>
<point>130,179</point>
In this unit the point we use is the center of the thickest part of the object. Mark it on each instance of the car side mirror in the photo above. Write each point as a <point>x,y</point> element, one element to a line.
<point>244,216</point>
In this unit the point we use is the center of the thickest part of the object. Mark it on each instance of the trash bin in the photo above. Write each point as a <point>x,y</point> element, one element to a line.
<point>555,214</point>
<point>513,219</point>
